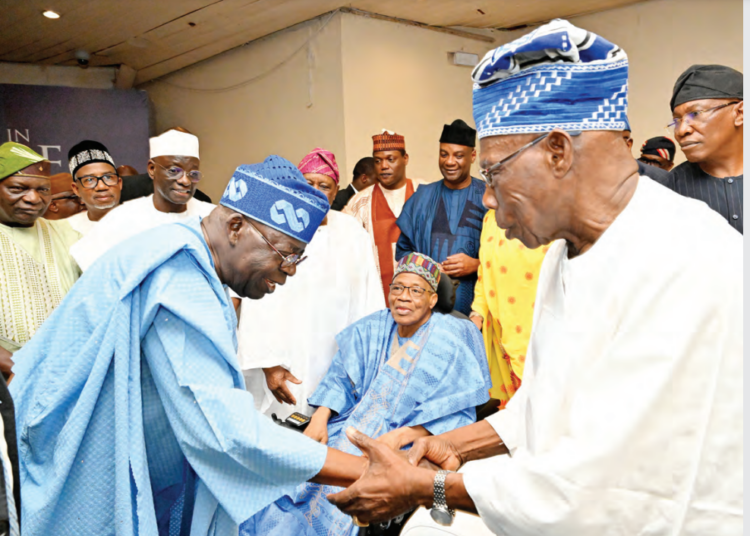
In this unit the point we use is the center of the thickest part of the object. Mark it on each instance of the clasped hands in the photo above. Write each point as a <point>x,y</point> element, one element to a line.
<point>394,483</point>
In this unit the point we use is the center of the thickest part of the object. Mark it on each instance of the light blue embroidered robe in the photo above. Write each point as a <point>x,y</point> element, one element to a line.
<point>436,380</point>
<point>131,390</point>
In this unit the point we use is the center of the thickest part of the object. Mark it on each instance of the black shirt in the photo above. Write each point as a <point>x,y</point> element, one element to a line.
<point>343,197</point>
<point>722,195</point>
<point>653,172</point>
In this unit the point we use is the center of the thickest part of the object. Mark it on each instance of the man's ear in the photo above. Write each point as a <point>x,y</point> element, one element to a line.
<point>235,226</point>
<point>406,159</point>
<point>739,114</point>
<point>150,169</point>
<point>473,155</point>
<point>559,149</point>
<point>433,300</point>
<point>74,186</point>
<point>53,207</point>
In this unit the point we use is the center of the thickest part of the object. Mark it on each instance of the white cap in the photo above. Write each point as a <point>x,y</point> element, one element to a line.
<point>174,143</point>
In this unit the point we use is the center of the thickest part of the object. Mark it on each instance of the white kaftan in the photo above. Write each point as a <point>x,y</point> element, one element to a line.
<point>128,220</point>
<point>295,326</point>
<point>629,419</point>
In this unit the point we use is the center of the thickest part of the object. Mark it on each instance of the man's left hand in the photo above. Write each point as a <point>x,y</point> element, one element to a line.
<point>460,265</point>
<point>389,487</point>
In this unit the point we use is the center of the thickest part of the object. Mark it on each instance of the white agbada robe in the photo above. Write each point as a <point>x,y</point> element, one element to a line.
<point>81,222</point>
<point>295,327</point>
<point>629,419</point>
<point>129,219</point>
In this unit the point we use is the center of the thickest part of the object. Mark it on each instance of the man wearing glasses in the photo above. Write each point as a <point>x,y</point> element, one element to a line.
<point>174,168</point>
<point>625,422</point>
<point>707,111</point>
<point>130,402</point>
<point>95,181</point>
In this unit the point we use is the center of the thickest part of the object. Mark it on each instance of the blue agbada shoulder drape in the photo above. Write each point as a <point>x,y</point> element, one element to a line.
<point>440,222</point>
<point>378,382</point>
<point>130,394</point>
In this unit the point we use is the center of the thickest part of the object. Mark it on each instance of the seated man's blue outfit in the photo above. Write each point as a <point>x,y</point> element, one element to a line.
<point>379,382</point>
<point>132,413</point>
<point>440,221</point>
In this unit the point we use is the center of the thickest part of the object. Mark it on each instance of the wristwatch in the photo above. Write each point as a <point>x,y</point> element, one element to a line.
<point>440,513</point>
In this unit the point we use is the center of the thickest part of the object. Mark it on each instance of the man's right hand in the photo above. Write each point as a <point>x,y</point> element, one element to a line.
<point>477,319</point>
<point>437,450</point>
<point>276,378</point>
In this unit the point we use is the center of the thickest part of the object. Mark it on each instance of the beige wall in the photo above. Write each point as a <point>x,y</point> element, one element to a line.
<point>273,115</point>
<point>402,78</point>
<point>57,75</point>
<point>662,39</point>
<point>370,74</point>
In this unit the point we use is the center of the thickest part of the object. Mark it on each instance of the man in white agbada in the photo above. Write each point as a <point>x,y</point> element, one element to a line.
<point>175,169</point>
<point>338,286</point>
<point>629,417</point>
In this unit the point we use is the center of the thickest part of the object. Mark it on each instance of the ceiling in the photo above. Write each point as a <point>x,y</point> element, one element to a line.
<point>156,37</point>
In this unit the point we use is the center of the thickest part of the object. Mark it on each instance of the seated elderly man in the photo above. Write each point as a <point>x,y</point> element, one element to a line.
<point>400,374</point>
<point>131,406</point>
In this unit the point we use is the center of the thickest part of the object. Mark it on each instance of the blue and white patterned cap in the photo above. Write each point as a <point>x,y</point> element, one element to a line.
<point>276,194</point>
<point>557,76</point>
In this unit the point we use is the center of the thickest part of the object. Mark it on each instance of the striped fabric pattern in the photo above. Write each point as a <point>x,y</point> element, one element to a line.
<point>722,195</point>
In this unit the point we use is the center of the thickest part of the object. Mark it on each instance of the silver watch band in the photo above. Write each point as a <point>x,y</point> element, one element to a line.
<point>439,500</point>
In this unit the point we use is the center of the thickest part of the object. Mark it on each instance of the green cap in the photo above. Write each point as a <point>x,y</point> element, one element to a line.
<point>14,157</point>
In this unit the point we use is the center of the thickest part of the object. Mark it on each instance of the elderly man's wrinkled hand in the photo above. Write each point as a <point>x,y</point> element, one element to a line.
<point>276,378</point>
<point>389,487</point>
<point>437,450</point>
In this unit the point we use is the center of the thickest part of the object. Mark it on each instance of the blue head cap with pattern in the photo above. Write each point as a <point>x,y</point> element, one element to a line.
<point>276,194</point>
<point>557,76</point>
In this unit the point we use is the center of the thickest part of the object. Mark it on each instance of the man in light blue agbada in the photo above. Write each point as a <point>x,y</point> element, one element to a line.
<point>132,415</point>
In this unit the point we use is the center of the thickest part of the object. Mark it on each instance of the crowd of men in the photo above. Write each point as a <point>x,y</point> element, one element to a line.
<point>543,339</point>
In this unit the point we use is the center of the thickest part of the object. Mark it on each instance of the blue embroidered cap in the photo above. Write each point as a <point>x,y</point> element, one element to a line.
<point>557,76</point>
<point>276,194</point>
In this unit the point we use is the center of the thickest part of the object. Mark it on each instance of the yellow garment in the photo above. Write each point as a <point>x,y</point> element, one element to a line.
<point>504,296</point>
<point>37,271</point>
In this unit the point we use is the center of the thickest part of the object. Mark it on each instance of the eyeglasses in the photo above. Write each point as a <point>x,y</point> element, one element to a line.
<point>690,117</point>
<point>176,173</point>
<point>91,181</point>
<point>71,197</point>
<point>415,291</point>
<point>490,171</point>
<point>288,260</point>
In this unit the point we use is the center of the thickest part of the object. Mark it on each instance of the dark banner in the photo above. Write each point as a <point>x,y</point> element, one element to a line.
<point>51,119</point>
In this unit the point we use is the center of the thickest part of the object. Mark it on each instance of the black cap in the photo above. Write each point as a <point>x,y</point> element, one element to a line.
<point>459,133</point>
<point>88,152</point>
<point>659,146</point>
<point>707,82</point>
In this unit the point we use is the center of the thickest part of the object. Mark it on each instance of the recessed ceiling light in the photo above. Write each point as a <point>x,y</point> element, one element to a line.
<point>51,14</point>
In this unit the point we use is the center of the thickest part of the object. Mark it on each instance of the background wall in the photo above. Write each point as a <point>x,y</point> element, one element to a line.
<point>292,110</point>
<point>402,78</point>
<point>662,39</point>
<point>365,75</point>
<point>57,75</point>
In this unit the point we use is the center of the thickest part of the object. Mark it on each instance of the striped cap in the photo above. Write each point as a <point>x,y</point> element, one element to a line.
<point>422,265</point>
<point>388,141</point>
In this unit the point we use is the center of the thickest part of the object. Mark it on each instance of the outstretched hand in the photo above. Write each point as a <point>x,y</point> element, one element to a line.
<point>276,378</point>
<point>389,487</point>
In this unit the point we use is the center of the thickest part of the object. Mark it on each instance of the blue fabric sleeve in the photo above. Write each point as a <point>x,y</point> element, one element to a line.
<point>243,458</point>
<point>336,391</point>
<point>405,245</point>
<point>450,422</point>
